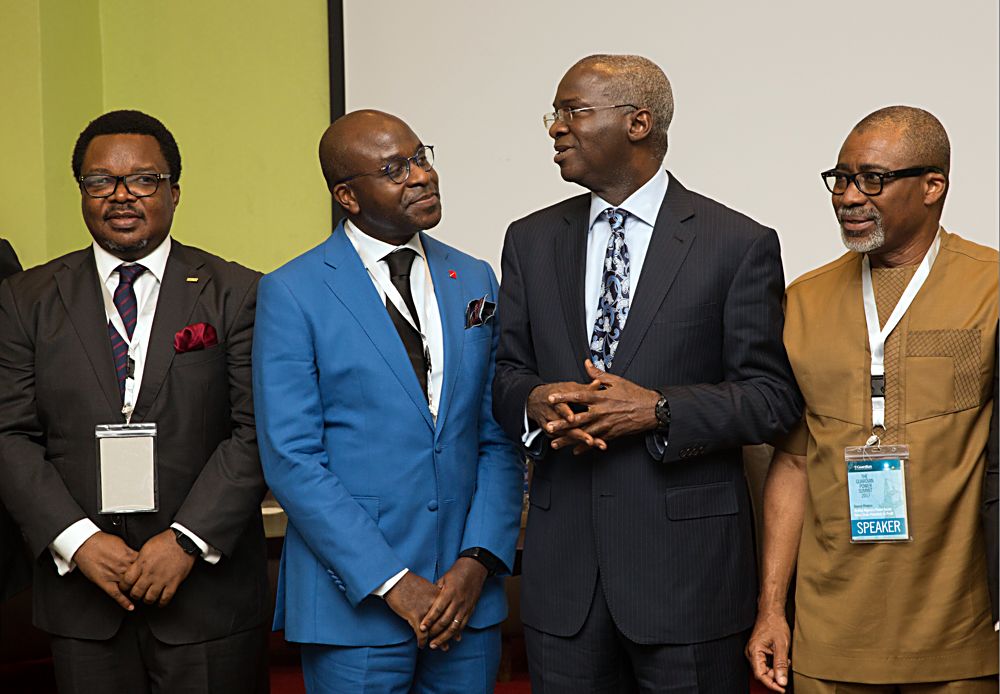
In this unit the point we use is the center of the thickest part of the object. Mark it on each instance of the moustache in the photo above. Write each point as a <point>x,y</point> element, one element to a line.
<point>855,214</point>
<point>421,196</point>
<point>123,211</point>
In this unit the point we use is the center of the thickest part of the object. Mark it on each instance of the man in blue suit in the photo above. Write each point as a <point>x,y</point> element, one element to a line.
<point>373,363</point>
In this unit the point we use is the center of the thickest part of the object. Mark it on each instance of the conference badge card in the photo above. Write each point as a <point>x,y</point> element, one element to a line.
<point>126,467</point>
<point>876,487</point>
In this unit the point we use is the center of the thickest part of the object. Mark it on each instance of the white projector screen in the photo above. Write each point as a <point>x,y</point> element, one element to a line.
<point>765,94</point>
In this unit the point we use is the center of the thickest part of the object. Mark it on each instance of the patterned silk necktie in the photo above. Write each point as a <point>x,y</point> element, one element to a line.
<point>128,309</point>
<point>399,262</point>
<point>612,308</point>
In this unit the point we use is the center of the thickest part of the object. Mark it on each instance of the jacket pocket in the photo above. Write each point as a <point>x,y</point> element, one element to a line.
<point>702,501</point>
<point>540,493</point>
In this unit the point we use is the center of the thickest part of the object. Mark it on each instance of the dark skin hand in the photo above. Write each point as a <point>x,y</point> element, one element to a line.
<point>411,598</point>
<point>555,418</point>
<point>616,407</point>
<point>158,571</point>
<point>460,589</point>
<point>104,559</point>
<point>771,637</point>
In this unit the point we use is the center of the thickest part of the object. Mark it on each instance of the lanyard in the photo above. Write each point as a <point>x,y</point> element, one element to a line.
<point>392,294</point>
<point>877,337</point>
<point>143,323</point>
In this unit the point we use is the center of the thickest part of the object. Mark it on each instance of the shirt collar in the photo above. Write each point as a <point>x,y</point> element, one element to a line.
<point>155,262</point>
<point>643,204</point>
<point>372,250</point>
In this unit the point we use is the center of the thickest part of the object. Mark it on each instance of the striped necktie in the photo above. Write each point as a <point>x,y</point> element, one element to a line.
<point>128,309</point>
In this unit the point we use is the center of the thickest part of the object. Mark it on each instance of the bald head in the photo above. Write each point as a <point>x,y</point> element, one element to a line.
<point>632,79</point>
<point>921,135</point>
<point>343,145</point>
<point>365,147</point>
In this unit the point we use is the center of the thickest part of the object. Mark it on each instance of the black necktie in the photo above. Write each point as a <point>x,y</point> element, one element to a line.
<point>399,262</point>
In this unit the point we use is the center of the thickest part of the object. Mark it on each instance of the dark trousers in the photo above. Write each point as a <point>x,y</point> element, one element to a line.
<point>601,660</point>
<point>133,661</point>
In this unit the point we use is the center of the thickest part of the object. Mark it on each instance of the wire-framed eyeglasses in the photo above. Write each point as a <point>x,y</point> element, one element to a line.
<point>397,169</point>
<point>565,114</point>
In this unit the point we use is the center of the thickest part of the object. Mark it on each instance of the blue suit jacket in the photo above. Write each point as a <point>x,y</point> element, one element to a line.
<point>371,484</point>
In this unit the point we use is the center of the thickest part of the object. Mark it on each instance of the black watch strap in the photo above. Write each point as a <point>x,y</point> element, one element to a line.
<point>186,543</point>
<point>486,558</point>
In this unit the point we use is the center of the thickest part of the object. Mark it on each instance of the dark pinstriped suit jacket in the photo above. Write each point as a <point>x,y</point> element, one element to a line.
<point>57,381</point>
<point>667,530</point>
<point>15,571</point>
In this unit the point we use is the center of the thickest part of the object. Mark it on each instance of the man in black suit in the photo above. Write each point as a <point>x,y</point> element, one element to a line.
<point>9,264</point>
<point>136,328</point>
<point>638,566</point>
<point>14,571</point>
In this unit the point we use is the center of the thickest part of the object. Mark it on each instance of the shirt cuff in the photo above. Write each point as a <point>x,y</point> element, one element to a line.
<point>529,435</point>
<point>389,585</point>
<point>208,552</point>
<point>69,541</point>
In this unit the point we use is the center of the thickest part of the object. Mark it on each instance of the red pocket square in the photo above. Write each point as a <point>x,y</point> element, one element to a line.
<point>194,337</point>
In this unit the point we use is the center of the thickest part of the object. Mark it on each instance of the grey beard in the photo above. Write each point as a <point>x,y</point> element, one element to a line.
<point>870,243</point>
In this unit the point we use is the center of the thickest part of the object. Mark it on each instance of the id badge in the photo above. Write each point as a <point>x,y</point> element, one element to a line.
<point>876,487</point>
<point>126,468</point>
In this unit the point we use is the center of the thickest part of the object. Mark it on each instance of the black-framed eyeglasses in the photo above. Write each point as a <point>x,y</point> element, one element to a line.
<point>565,114</point>
<point>139,185</point>
<point>398,168</point>
<point>870,182</point>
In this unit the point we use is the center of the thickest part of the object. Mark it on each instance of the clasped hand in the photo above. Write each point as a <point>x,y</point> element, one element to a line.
<point>153,574</point>
<point>438,612</point>
<point>614,407</point>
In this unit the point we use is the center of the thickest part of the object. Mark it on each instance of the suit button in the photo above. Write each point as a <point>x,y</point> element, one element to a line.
<point>432,505</point>
<point>116,520</point>
<point>438,448</point>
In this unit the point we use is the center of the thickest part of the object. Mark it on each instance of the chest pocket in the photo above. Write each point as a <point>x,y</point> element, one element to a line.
<point>942,372</point>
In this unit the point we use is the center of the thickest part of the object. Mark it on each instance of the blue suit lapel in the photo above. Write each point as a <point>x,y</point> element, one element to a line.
<point>349,281</point>
<point>449,293</point>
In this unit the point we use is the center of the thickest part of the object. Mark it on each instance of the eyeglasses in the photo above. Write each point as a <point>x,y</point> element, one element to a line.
<point>398,168</point>
<point>140,185</point>
<point>565,114</point>
<point>869,182</point>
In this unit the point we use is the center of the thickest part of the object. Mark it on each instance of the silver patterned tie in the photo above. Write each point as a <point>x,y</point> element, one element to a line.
<point>612,308</point>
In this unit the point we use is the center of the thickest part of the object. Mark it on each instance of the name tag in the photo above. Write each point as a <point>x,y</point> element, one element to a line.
<point>876,488</point>
<point>126,468</point>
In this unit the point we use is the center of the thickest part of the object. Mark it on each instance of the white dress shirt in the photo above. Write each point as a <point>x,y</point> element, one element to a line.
<point>147,291</point>
<point>372,252</point>
<point>642,206</point>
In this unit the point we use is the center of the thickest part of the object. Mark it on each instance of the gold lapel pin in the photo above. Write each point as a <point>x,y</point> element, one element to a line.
<point>192,279</point>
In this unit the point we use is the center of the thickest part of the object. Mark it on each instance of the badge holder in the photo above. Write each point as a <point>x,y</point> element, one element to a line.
<point>126,468</point>
<point>876,486</point>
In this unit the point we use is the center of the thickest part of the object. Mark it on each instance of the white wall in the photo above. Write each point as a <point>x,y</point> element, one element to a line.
<point>765,94</point>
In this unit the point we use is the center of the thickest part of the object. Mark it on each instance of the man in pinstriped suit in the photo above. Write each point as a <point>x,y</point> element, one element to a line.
<point>15,569</point>
<point>638,566</point>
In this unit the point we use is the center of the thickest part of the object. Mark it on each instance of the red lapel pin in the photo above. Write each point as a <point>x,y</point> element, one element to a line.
<point>452,274</point>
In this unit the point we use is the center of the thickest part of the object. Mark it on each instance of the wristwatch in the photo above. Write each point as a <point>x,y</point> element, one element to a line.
<point>186,543</point>
<point>486,558</point>
<point>662,416</point>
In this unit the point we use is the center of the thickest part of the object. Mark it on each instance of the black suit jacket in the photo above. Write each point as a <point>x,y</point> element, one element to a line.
<point>667,530</point>
<point>58,381</point>
<point>14,568</point>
